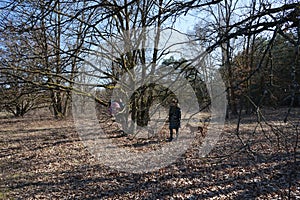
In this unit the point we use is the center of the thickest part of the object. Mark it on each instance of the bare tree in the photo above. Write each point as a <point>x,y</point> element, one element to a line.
<point>58,42</point>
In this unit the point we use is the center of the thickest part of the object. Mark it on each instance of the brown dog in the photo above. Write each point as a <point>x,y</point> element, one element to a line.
<point>195,128</point>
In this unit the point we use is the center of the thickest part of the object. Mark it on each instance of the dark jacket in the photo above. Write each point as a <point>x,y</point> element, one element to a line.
<point>174,117</point>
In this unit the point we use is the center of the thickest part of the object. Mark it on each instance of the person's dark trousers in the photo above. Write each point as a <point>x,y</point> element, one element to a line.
<point>171,135</point>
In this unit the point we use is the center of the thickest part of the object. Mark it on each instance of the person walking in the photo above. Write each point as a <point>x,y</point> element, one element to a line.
<point>174,118</point>
<point>114,108</point>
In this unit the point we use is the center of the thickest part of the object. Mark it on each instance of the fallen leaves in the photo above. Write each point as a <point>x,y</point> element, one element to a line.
<point>47,160</point>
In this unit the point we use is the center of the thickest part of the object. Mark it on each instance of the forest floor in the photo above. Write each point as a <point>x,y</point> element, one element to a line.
<point>44,158</point>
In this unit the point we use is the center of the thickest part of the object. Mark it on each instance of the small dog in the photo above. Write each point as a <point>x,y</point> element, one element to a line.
<point>160,134</point>
<point>164,133</point>
<point>195,128</point>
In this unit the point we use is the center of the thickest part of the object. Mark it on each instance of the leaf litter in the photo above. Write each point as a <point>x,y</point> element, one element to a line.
<point>45,159</point>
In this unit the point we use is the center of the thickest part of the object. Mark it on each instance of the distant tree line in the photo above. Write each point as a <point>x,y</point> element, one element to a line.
<point>45,46</point>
